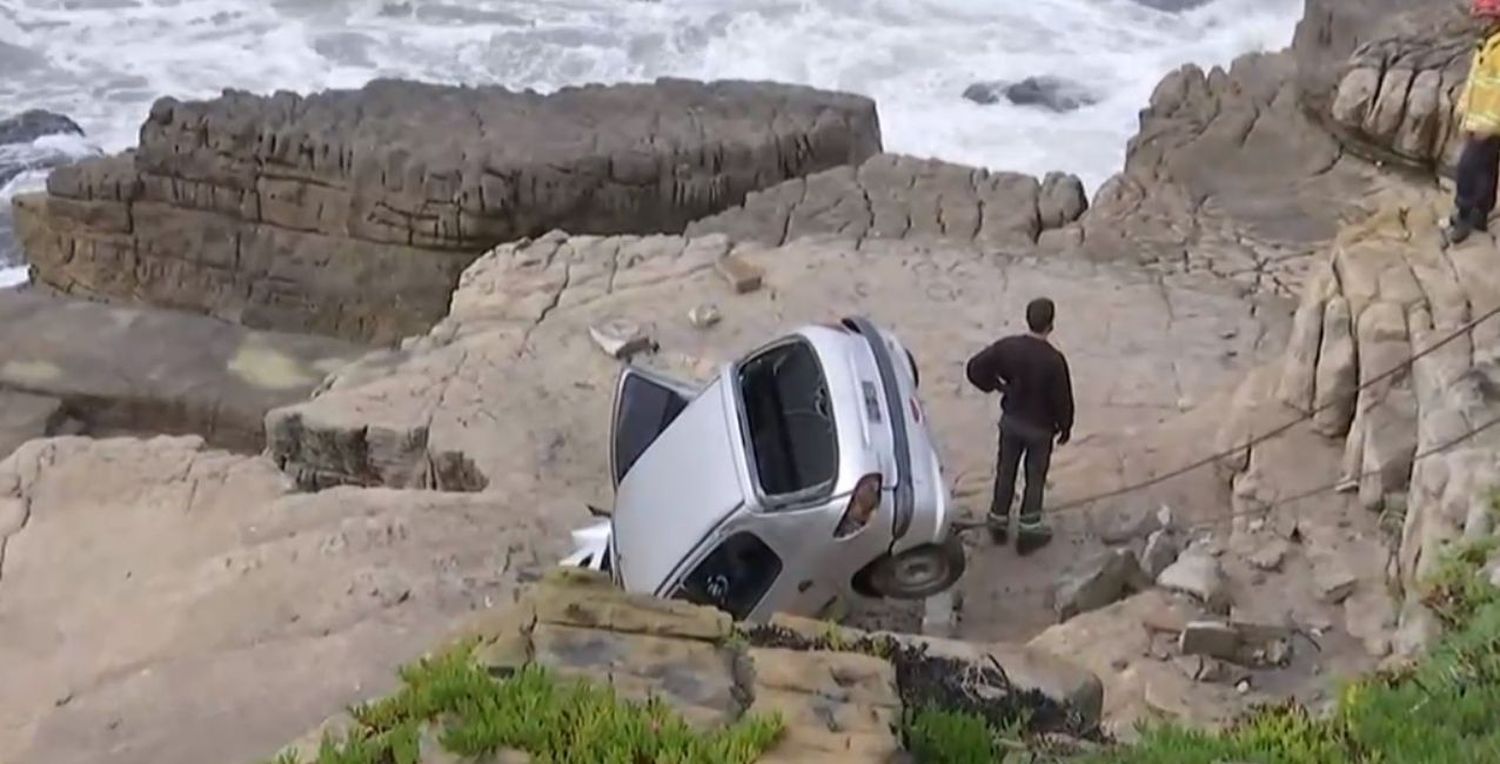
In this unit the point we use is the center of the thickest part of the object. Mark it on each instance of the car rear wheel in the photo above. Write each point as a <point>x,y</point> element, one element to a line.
<point>917,573</point>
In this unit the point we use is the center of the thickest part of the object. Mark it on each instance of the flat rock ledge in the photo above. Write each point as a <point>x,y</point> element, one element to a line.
<point>352,212</point>
<point>71,367</point>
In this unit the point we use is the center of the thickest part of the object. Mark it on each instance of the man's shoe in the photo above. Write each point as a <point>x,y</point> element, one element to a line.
<point>1033,537</point>
<point>999,528</point>
<point>1458,230</point>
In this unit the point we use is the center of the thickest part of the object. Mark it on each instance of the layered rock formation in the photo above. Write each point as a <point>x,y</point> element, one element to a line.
<point>114,370</point>
<point>892,196</point>
<point>352,212</point>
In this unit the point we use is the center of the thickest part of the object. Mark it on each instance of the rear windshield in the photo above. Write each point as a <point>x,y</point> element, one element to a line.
<point>789,420</point>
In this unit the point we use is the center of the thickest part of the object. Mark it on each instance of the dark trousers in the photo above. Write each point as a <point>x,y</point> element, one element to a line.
<point>1018,441</point>
<point>1478,169</point>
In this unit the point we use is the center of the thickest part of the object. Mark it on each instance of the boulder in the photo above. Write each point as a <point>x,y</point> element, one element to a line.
<point>290,606</point>
<point>892,196</point>
<point>157,371</point>
<point>1096,581</point>
<point>338,213</point>
<point>1198,573</point>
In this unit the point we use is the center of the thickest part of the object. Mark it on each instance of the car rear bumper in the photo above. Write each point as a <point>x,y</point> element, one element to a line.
<point>900,438</point>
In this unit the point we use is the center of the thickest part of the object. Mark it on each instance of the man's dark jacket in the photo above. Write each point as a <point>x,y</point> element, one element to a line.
<point>1034,377</point>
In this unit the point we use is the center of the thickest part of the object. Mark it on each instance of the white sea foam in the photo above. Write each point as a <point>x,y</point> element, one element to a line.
<point>104,61</point>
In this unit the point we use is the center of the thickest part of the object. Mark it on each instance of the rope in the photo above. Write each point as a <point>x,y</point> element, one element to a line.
<point>1077,504</point>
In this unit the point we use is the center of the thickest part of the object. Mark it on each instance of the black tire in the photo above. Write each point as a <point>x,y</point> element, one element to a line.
<point>918,573</point>
<point>916,379</point>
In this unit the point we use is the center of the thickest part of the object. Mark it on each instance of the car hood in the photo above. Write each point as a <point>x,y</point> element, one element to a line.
<point>684,485</point>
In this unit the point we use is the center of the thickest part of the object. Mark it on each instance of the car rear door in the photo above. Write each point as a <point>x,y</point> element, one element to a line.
<point>646,403</point>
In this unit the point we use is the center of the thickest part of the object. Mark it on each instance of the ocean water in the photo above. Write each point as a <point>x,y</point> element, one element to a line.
<point>103,62</point>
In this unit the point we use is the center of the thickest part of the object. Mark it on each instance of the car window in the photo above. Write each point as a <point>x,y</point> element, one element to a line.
<point>734,577</point>
<point>788,420</point>
<point>645,408</point>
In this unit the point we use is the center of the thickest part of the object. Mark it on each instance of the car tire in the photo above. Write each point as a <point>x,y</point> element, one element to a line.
<point>917,573</point>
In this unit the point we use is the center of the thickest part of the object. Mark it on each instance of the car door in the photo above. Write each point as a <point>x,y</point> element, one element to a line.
<point>645,404</point>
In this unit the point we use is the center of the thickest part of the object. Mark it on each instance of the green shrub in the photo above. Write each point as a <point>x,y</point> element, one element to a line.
<point>945,737</point>
<point>556,722</point>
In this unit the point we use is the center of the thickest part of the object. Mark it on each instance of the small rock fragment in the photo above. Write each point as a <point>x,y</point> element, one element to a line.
<point>1129,524</point>
<point>1270,556</point>
<point>741,275</point>
<point>1276,653</point>
<point>704,316</point>
<point>1216,639</point>
<point>620,339</point>
<point>1335,582</point>
<point>1243,686</point>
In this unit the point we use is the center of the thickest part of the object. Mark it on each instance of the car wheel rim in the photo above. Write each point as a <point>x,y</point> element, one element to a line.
<point>919,572</point>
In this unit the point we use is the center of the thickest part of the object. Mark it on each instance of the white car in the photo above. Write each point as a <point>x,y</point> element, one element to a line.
<point>802,475</point>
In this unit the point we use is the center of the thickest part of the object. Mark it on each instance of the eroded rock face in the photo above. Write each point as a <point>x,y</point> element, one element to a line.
<point>893,196</point>
<point>352,212</point>
<point>167,603</point>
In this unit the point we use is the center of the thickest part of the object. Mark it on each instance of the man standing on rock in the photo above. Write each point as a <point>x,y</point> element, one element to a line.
<point>1036,408</point>
<point>1479,163</point>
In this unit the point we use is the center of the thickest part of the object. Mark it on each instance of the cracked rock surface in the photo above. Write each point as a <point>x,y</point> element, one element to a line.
<point>443,411</point>
<point>164,602</point>
<point>352,212</point>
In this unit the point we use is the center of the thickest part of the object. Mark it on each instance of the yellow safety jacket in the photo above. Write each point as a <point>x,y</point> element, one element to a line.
<point>1480,102</point>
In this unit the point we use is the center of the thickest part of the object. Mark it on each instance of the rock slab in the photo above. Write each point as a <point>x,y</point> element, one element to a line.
<point>339,213</point>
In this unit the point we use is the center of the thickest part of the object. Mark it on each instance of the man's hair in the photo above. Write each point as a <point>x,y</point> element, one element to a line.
<point>1039,315</point>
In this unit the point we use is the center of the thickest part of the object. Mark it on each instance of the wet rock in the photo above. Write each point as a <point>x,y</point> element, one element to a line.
<point>1212,638</point>
<point>1199,574</point>
<point>1046,91</point>
<point>1095,582</point>
<point>1162,548</point>
<point>30,125</point>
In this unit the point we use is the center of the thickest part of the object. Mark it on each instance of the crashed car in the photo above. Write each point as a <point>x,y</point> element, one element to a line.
<point>801,476</point>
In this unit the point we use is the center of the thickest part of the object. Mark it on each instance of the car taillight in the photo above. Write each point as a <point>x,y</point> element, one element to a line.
<point>862,505</point>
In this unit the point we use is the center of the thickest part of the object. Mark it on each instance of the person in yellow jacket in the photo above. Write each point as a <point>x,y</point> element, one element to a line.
<point>1479,163</point>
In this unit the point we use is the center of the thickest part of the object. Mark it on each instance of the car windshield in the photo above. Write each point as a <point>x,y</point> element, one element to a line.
<point>789,420</point>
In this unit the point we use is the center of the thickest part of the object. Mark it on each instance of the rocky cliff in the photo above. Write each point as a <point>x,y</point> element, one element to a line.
<point>352,213</point>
